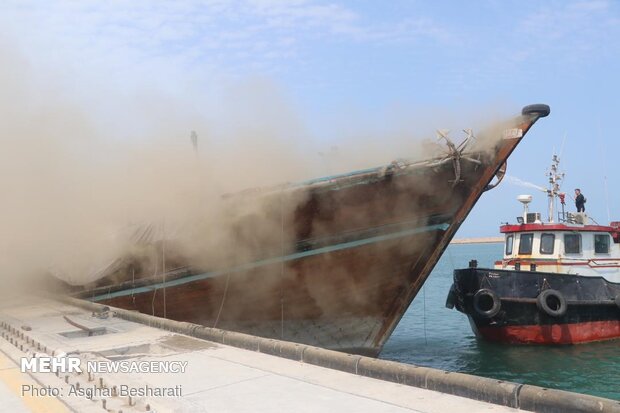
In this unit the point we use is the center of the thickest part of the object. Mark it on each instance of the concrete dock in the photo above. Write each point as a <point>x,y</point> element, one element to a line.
<point>218,376</point>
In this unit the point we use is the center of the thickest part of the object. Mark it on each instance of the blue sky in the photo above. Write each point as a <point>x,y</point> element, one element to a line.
<point>361,62</point>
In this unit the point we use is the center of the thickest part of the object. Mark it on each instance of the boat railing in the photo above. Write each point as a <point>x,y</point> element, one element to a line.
<point>573,217</point>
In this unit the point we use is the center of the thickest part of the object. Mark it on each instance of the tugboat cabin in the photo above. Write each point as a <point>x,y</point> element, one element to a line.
<point>570,246</point>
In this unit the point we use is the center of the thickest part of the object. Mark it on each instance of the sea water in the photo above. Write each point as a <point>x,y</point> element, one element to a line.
<point>432,335</point>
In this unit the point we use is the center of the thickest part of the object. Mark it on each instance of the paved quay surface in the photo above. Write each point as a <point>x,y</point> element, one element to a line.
<point>217,378</point>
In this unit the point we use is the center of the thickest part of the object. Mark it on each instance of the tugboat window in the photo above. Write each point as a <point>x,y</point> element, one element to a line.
<point>601,243</point>
<point>525,243</point>
<point>546,243</point>
<point>572,243</point>
<point>509,239</point>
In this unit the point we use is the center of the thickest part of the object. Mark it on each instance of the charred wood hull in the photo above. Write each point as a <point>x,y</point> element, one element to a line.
<point>524,307</point>
<point>330,299</point>
<point>349,254</point>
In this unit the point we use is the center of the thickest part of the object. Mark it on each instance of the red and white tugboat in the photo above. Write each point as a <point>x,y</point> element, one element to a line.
<point>558,283</point>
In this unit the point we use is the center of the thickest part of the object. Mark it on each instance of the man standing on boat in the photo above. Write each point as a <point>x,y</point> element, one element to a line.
<point>580,201</point>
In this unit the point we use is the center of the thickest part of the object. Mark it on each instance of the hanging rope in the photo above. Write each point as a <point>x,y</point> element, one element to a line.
<point>449,250</point>
<point>163,260</point>
<point>155,291</point>
<point>281,266</point>
<point>217,319</point>
<point>133,285</point>
<point>424,313</point>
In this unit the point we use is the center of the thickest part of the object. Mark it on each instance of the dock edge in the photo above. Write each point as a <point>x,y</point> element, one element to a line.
<point>505,393</point>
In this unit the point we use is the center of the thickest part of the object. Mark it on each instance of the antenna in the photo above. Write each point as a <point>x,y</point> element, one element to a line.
<point>555,177</point>
<point>562,147</point>
<point>602,147</point>
<point>525,200</point>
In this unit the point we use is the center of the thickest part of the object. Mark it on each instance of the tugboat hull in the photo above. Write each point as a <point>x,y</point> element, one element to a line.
<point>537,307</point>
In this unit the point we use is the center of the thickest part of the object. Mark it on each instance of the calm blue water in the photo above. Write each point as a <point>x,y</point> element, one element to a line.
<point>431,335</point>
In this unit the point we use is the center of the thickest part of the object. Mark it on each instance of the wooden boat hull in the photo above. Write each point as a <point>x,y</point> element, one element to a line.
<point>347,258</point>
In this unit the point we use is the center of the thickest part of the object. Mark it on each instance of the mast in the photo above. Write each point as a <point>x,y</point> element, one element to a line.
<point>554,184</point>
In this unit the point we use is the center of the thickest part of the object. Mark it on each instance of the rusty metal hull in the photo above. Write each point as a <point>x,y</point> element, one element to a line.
<point>357,249</point>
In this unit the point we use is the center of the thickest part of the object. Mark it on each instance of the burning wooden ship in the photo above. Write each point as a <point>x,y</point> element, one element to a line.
<point>333,262</point>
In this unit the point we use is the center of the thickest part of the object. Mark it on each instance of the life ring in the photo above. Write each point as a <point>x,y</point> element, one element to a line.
<point>487,303</point>
<point>552,302</point>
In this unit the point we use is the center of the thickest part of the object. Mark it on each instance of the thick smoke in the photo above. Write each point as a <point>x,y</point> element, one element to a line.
<point>81,182</point>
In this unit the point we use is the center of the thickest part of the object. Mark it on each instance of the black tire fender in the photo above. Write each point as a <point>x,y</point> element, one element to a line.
<point>496,303</point>
<point>543,303</point>
<point>539,109</point>
<point>617,301</point>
